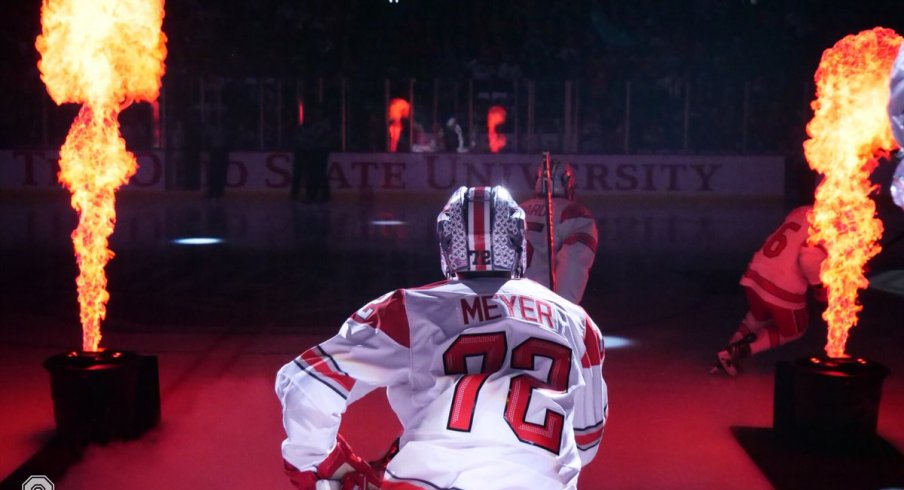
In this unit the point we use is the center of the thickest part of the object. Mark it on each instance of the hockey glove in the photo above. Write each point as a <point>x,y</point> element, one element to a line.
<point>341,465</point>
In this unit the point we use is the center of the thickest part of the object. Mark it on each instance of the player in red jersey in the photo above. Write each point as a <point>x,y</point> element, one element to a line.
<point>497,380</point>
<point>776,284</point>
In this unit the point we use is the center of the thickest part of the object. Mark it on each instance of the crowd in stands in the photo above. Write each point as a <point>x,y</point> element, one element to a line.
<point>687,75</point>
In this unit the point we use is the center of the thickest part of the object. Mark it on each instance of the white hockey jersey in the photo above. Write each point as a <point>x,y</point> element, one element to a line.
<point>785,266</point>
<point>896,118</point>
<point>575,244</point>
<point>497,383</point>
<point>896,98</point>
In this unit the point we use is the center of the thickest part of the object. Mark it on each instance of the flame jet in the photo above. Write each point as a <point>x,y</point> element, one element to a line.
<point>495,117</point>
<point>849,127</point>
<point>103,54</point>
<point>398,109</point>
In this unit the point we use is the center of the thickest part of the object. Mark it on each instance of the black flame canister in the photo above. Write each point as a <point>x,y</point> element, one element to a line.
<point>105,395</point>
<point>828,401</point>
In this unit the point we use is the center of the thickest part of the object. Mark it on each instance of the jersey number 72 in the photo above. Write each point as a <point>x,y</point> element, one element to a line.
<point>492,349</point>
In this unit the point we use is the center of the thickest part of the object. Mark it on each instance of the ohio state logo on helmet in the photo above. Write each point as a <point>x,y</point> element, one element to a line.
<point>481,229</point>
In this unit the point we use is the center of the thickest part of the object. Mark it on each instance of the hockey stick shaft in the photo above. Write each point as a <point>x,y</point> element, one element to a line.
<point>550,241</point>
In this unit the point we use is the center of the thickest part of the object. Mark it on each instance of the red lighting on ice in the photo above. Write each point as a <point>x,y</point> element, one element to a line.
<point>495,117</point>
<point>103,54</point>
<point>849,129</point>
<point>398,109</point>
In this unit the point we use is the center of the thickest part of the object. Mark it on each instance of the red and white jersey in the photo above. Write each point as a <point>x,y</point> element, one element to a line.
<point>575,244</point>
<point>785,266</point>
<point>497,383</point>
<point>896,98</point>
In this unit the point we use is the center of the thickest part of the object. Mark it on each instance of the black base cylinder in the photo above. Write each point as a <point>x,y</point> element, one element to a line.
<point>831,402</point>
<point>103,396</point>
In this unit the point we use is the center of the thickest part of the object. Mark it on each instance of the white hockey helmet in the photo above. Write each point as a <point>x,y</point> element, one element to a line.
<point>562,175</point>
<point>481,229</point>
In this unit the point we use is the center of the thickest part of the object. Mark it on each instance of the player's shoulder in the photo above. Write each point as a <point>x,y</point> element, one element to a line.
<point>537,290</point>
<point>534,207</point>
<point>387,314</point>
<point>438,289</point>
<point>391,301</point>
<point>799,213</point>
<point>570,319</point>
<point>575,210</point>
<point>430,286</point>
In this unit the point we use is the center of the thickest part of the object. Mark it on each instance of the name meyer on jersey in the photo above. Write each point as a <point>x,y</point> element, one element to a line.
<point>492,307</point>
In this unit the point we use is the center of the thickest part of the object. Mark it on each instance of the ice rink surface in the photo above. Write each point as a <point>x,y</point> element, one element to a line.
<point>223,318</point>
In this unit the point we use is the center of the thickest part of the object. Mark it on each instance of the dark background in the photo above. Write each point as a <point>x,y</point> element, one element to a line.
<point>713,48</point>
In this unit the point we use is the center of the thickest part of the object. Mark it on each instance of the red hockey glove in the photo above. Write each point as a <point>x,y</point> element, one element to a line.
<point>361,481</point>
<point>304,480</point>
<point>340,465</point>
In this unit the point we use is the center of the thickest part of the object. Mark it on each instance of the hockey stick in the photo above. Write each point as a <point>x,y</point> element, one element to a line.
<point>549,223</point>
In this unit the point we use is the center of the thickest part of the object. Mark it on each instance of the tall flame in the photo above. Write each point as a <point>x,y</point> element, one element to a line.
<point>104,54</point>
<point>398,109</point>
<point>849,127</point>
<point>495,117</point>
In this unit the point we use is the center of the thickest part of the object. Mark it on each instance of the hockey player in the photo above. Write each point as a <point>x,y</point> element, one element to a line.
<point>497,381</point>
<point>776,284</point>
<point>896,117</point>
<point>574,229</point>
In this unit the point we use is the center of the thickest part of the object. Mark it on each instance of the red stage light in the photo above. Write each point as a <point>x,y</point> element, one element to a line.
<point>495,117</point>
